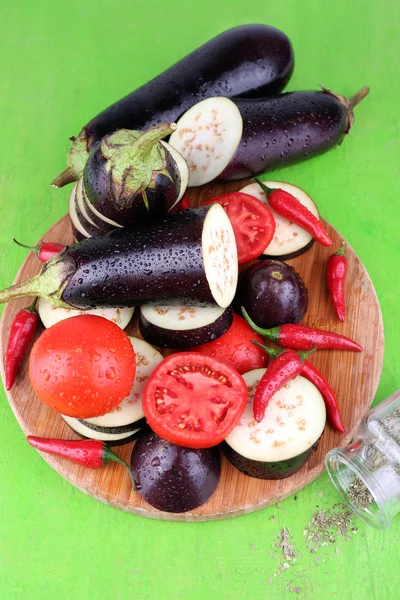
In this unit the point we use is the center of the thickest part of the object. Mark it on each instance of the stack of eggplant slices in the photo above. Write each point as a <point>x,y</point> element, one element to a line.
<point>208,280</point>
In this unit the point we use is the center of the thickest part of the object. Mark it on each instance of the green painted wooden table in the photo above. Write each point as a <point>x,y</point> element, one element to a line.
<point>61,62</point>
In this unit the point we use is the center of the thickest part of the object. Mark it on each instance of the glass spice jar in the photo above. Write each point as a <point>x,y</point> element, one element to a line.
<point>367,473</point>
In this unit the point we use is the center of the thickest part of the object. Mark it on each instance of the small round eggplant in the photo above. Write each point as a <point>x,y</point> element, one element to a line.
<point>173,478</point>
<point>273,293</point>
<point>131,176</point>
<point>183,326</point>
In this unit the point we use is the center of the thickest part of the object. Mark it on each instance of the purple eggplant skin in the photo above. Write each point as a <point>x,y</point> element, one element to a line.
<point>268,470</point>
<point>185,339</point>
<point>273,293</point>
<point>134,265</point>
<point>290,255</point>
<point>289,128</point>
<point>245,61</point>
<point>173,478</point>
<point>160,198</point>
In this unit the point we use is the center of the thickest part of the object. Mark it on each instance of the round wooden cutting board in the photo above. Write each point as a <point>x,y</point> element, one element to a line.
<point>354,377</point>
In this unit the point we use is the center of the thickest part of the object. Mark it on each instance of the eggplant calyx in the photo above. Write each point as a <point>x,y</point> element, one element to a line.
<point>50,283</point>
<point>132,159</point>
<point>77,157</point>
<point>348,103</point>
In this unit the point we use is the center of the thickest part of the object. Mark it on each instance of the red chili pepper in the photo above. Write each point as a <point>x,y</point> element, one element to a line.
<point>300,337</point>
<point>44,250</point>
<point>332,410</point>
<point>286,365</point>
<point>89,453</point>
<point>21,334</point>
<point>289,207</point>
<point>185,203</point>
<point>336,275</point>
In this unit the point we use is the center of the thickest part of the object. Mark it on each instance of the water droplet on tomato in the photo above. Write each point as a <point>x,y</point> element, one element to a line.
<point>46,375</point>
<point>110,373</point>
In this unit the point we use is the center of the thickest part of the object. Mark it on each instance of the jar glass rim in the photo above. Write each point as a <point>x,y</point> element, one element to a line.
<point>381,520</point>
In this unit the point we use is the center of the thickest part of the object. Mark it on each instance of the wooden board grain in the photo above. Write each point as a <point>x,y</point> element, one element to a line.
<point>354,376</point>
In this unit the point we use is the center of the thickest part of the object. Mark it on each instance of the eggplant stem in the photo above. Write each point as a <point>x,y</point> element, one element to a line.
<point>348,103</point>
<point>67,176</point>
<point>356,99</point>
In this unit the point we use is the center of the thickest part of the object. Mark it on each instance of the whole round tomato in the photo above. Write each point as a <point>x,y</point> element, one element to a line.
<point>83,366</point>
<point>193,400</point>
<point>236,346</point>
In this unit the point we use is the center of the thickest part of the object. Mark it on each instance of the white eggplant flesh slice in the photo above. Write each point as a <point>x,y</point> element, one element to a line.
<point>207,136</point>
<point>72,213</point>
<point>220,256</point>
<point>80,427</point>
<point>93,209</point>
<point>50,315</point>
<point>182,168</point>
<point>280,444</point>
<point>130,410</point>
<point>289,239</point>
<point>80,201</point>
<point>183,326</point>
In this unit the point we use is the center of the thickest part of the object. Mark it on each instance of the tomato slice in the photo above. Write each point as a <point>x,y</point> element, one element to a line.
<point>83,366</point>
<point>252,222</point>
<point>236,346</point>
<point>193,400</point>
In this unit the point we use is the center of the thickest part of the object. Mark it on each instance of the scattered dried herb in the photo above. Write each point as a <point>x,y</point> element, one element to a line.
<point>288,555</point>
<point>358,493</point>
<point>326,526</point>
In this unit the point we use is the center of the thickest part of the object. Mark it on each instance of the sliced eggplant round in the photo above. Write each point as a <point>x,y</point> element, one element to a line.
<point>207,136</point>
<point>173,478</point>
<point>183,326</point>
<point>76,224</point>
<point>50,315</point>
<point>84,429</point>
<point>289,239</point>
<point>183,170</point>
<point>281,443</point>
<point>130,410</point>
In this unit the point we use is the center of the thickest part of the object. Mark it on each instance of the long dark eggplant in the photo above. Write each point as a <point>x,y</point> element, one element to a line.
<point>189,255</point>
<point>246,61</point>
<point>239,138</point>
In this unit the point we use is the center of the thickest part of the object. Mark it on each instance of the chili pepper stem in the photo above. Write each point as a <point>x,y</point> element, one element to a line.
<point>340,252</point>
<point>32,307</point>
<point>272,352</point>
<point>34,249</point>
<point>108,454</point>
<point>272,334</point>
<point>264,187</point>
<point>303,355</point>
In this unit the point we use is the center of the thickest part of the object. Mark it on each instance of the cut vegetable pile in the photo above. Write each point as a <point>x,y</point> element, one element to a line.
<point>139,243</point>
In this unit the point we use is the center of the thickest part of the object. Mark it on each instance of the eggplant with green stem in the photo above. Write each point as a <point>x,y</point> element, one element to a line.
<point>249,60</point>
<point>190,255</point>
<point>130,176</point>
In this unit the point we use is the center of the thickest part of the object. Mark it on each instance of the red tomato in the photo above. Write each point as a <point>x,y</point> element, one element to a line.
<point>236,346</point>
<point>252,221</point>
<point>83,366</point>
<point>193,400</point>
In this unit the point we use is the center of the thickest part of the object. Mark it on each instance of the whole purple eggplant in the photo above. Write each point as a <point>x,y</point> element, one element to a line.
<point>222,138</point>
<point>246,61</point>
<point>189,256</point>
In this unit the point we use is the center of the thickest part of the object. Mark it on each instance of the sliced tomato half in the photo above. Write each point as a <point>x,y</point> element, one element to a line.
<point>252,221</point>
<point>194,400</point>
